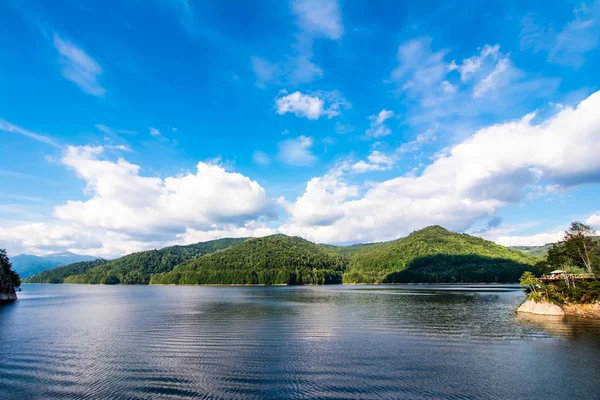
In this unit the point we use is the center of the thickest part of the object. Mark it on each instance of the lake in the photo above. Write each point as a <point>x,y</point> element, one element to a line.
<point>317,342</point>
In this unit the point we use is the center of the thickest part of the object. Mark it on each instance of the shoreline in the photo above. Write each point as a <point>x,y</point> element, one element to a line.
<point>589,311</point>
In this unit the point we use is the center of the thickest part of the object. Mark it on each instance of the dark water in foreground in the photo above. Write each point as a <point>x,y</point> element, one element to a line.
<point>346,342</point>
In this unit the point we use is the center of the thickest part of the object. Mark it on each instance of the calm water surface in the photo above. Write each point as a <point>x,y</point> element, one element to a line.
<point>333,342</point>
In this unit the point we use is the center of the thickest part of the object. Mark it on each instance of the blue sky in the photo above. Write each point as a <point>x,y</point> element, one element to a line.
<point>127,125</point>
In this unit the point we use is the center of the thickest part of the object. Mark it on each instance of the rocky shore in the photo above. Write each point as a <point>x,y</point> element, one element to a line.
<point>572,310</point>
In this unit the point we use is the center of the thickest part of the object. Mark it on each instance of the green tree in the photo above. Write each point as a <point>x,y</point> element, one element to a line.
<point>580,246</point>
<point>528,281</point>
<point>6,265</point>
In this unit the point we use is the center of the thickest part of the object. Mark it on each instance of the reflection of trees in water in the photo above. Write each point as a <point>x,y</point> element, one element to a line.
<point>568,327</point>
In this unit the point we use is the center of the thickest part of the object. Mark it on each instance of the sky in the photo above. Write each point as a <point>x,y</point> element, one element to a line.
<point>137,124</point>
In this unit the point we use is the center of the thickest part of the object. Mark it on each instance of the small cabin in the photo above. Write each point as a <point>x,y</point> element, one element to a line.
<point>558,272</point>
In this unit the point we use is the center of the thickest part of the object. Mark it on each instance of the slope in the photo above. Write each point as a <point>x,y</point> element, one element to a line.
<point>276,259</point>
<point>137,268</point>
<point>435,254</point>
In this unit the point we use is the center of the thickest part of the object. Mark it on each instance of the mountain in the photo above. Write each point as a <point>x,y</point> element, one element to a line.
<point>137,268</point>
<point>536,251</point>
<point>276,259</point>
<point>58,275</point>
<point>539,251</point>
<point>27,265</point>
<point>435,254</point>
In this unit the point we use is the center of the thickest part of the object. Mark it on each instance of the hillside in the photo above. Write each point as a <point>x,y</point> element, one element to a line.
<point>435,254</point>
<point>137,268</point>
<point>536,251</point>
<point>276,259</point>
<point>58,275</point>
<point>27,265</point>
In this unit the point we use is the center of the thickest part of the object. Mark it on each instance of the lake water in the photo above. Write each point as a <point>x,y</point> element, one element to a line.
<point>328,342</point>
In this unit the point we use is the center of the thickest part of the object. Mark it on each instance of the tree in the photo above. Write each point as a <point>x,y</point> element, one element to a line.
<point>528,281</point>
<point>580,246</point>
<point>6,265</point>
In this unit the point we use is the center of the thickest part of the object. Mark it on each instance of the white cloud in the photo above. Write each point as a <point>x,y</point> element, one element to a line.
<point>569,45</point>
<point>297,151</point>
<point>321,18</point>
<point>79,68</point>
<point>261,158</point>
<point>114,131</point>
<point>154,132</point>
<point>124,201</point>
<point>376,161</point>
<point>6,126</point>
<point>538,239</point>
<point>422,139</point>
<point>378,127</point>
<point>499,76</point>
<point>486,172</point>
<point>594,221</point>
<point>249,230</point>
<point>40,238</point>
<point>470,66</point>
<point>342,129</point>
<point>316,19</point>
<point>419,68</point>
<point>311,106</point>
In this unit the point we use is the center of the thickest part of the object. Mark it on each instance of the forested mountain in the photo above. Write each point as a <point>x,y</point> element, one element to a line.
<point>435,254</point>
<point>536,251</point>
<point>27,265</point>
<point>276,259</point>
<point>540,251</point>
<point>137,268</point>
<point>58,275</point>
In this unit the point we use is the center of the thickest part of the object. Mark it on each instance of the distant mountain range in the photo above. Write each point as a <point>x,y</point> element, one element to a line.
<point>431,255</point>
<point>27,265</point>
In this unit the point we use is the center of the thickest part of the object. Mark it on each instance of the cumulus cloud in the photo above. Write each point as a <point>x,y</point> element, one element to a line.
<point>314,106</point>
<point>376,161</point>
<point>297,151</point>
<point>123,200</point>
<point>78,67</point>
<point>476,178</point>
<point>539,239</point>
<point>42,238</point>
<point>378,127</point>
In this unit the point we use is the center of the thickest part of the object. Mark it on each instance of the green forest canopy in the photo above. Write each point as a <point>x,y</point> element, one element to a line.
<point>433,254</point>
<point>132,269</point>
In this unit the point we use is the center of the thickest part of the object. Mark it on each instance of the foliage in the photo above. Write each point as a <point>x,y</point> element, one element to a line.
<point>578,251</point>
<point>276,259</point>
<point>58,275</point>
<point>582,292</point>
<point>536,251</point>
<point>136,268</point>
<point>7,270</point>
<point>435,254</point>
<point>528,281</point>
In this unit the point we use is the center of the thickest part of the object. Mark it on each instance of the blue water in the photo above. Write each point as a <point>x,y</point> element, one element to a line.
<point>328,342</point>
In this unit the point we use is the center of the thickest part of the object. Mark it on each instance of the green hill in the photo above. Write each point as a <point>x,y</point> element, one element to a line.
<point>536,251</point>
<point>276,259</point>
<point>58,275</point>
<point>435,254</point>
<point>137,268</point>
